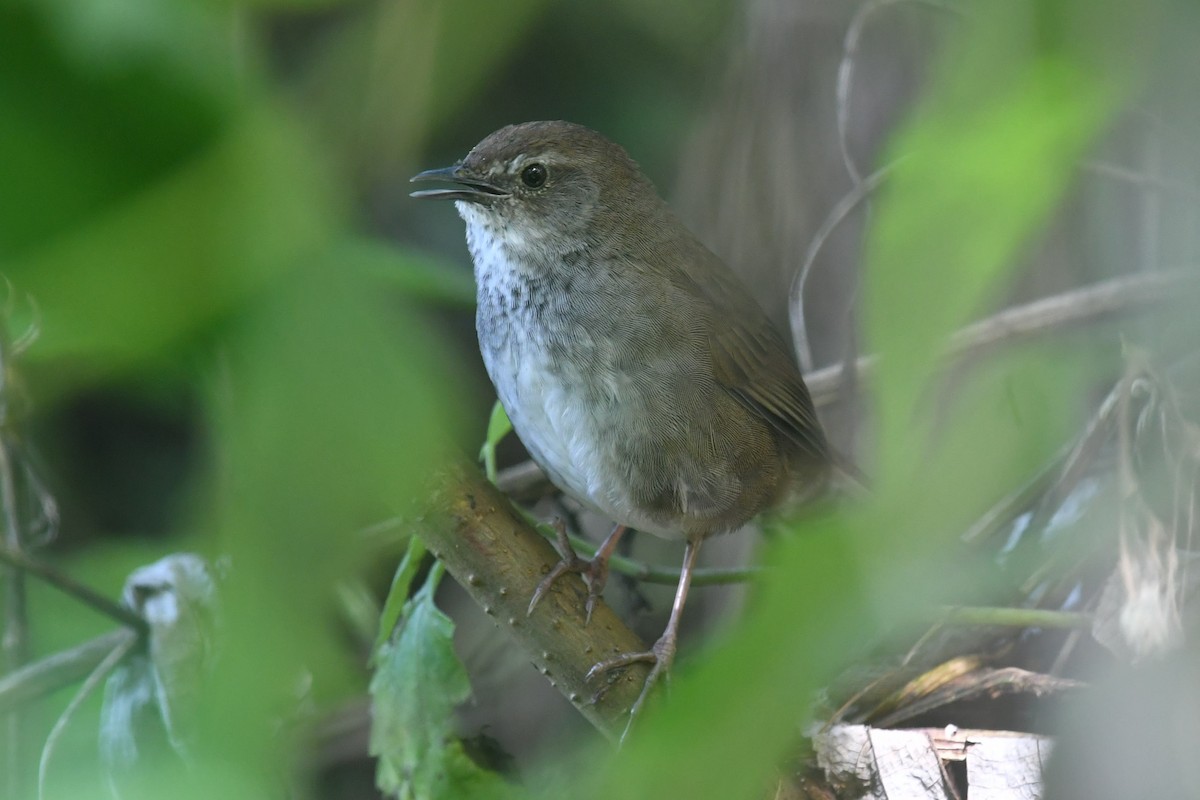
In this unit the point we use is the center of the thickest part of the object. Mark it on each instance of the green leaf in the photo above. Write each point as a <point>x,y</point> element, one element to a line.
<point>153,268</point>
<point>148,190</point>
<point>417,685</point>
<point>498,427</point>
<point>333,409</point>
<point>397,599</point>
<point>97,101</point>
<point>996,170</point>
<point>394,63</point>
<point>419,276</point>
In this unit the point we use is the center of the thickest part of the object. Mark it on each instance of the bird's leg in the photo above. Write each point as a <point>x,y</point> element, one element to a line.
<point>594,570</point>
<point>663,651</point>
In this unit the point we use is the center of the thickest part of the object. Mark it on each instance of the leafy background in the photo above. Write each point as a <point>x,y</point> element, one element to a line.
<point>253,345</point>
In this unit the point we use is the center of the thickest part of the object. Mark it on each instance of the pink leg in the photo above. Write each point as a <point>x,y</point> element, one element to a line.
<point>663,651</point>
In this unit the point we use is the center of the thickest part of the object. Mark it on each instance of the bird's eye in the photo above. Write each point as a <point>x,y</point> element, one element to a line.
<point>534,176</point>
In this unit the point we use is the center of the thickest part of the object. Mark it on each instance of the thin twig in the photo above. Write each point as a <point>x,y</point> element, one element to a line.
<point>1067,308</point>
<point>1085,304</point>
<point>845,80</point>
<point>16,538</point>
<point>56,671</point>
<point>861,188</point>
<point>1016,617</point>
<point>647,573</point>
<point>845,76</point>
<point>1142,179</point>
<point>16,634</point>
<point>846,68</point>
<point>524,481</point>
<point>70,586</point>
<point>89,686</point>
<point>16,617</point>
<point>860,192</point>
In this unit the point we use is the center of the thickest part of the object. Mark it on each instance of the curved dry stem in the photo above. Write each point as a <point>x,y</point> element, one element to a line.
<point>845,76</point>
<point>848,203</point>
<point>90,685</point>
<point>54,672</point>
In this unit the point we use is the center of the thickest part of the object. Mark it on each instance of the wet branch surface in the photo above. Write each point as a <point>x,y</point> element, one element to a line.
<point>500,559</point>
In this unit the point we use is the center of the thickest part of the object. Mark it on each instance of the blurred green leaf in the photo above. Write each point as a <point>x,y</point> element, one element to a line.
<point>733,714</point>
<point>397,599</point>
<point>333,412</point>
<point>416,275</point>
<point>417,685</point>
<point>97,101</point>
<point>498,427</point>
<point>397,70</point>
<point>976,185</point>
<point>176,255</point>
<point>143,198</point>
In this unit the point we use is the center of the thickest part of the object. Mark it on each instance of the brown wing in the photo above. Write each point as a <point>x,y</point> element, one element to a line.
<point>750,359</point>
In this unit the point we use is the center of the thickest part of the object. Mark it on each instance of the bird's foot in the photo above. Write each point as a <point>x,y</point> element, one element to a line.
<point>594,572</point>
<point>660,655</point>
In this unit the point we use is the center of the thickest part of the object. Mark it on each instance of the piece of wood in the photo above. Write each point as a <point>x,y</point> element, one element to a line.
<point>1007,767</point>
<point>907,763</point>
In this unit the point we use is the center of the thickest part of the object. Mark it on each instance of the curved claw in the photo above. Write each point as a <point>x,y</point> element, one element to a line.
<point>594,571</point>
<point>661,655</point>
<point>595,574</point>
<point>573,564</point>
<point>623,660</point>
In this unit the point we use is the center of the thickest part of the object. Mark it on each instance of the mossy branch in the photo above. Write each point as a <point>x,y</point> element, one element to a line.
<point>500,559</point>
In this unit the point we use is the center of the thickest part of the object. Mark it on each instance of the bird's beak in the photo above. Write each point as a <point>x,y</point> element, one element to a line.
<point>469,188</point>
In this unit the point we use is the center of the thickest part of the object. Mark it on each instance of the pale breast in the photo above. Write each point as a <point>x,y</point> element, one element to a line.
<point>565,414</point>
<point>599,398</point>
<point>562,391</point>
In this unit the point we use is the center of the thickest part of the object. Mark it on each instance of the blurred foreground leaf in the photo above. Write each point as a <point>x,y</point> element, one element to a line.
<point>156,196</point>
<point>153,269</point>
<point>146,192</point>
<point>98,101</point>
<point>417,276</point>
<point>398,70</point>
<point>978,183</point>
<point>335,409</point>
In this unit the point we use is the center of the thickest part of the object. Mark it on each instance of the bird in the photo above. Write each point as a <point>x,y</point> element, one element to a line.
<point>634,365</point>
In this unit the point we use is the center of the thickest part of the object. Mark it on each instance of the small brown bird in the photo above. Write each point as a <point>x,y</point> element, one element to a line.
<point>636,368</point>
